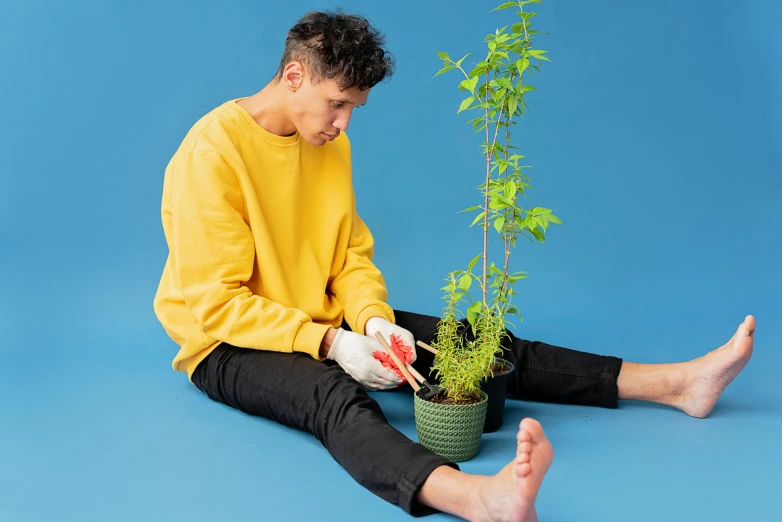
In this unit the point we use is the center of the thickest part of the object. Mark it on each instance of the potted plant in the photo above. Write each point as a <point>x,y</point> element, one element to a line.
<point>468,359</point>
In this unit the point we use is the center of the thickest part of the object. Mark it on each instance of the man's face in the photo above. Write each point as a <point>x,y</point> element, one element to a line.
<point>321,111</point>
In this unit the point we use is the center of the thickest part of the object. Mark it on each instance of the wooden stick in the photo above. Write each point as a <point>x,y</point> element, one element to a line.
<point>415,373</point>
<point>396,360</point>
<point>426,347</point>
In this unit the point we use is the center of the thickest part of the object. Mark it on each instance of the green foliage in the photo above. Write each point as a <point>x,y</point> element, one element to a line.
<point>496,88</point>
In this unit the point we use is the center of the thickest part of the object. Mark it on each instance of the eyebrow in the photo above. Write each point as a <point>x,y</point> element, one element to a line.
<point>345,100</point>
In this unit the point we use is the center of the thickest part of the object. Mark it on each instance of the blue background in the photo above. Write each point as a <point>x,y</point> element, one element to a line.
<point>655,133</point>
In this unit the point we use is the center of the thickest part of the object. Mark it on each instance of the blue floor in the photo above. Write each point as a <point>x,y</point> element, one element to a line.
<point>123,437</point>
<point>655,136</point>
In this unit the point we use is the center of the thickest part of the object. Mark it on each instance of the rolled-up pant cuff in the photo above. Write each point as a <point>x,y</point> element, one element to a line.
<point>608,390</point>
<point>413,481</point>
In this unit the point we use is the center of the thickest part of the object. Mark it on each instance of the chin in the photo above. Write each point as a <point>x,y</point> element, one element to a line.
<point>317,140</point>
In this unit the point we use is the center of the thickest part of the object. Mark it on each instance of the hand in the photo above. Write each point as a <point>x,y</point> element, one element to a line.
<point>399,339</point>
<point>358,355</point>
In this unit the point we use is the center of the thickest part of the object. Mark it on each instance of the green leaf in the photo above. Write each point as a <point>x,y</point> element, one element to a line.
<point>504,6</point>
<point>538,234</point>
<point>465,104</point>
<point>474,260</point>
<point>554,219</point>
<point>443,56</point>
<point>499,223</point>
<point>504,82</point>
<point>462,58</point>
<point>513,104</point>
<point>522,64</point>
<point>474,310</point>
<point>479,69</point>
<point>478,218</point>
<point>443,70</point>
<point>538,54</point>
<point>526,88</point>
<point>476,207</point>
<point>510,189</point>
<point>465,281</point>
<point>496,204</point>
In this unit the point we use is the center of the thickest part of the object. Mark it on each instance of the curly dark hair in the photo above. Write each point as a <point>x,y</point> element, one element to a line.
<point>341,46</point>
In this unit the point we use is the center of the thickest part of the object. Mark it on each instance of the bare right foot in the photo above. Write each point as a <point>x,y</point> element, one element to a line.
<point>509,496</point>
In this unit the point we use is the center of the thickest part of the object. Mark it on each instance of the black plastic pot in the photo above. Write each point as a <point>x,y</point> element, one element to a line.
<point>495,388</point>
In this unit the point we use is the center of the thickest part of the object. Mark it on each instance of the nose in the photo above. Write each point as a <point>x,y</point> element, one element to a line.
<point>342,123</point>
<point>343,120</point>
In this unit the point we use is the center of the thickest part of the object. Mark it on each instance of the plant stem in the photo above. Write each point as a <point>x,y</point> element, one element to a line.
<point>513,214</point>
<point>524,22</point>
<point>486,196</point>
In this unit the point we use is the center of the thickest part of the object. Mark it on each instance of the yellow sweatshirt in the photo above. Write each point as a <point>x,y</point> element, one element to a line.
<point>266,249</point>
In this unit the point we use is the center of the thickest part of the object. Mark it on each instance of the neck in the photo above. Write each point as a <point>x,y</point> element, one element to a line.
<point>267,107</point>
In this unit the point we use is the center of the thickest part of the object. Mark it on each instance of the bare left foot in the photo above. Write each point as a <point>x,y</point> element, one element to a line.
<point>709,375</point>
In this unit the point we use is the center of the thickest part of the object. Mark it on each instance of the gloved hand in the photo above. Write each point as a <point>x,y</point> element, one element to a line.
<point>399,339</point>
<point>358,355</point>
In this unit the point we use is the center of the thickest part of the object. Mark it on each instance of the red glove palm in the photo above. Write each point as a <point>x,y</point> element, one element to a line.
<point>399,339</point>
<point>401,349</point>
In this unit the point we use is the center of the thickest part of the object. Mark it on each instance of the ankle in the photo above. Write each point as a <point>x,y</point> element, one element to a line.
<point>676,381</point>
<point>661,383</point>
<point>476,502</point>
<point>451,491</point>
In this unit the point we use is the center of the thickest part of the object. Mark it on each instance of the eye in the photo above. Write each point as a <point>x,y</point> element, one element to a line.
<point>337,105</point>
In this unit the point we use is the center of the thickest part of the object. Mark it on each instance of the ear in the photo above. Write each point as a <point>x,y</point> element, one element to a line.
<point>293,75</point>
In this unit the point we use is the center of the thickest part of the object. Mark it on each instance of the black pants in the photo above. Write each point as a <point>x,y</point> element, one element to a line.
<point>319,397</point>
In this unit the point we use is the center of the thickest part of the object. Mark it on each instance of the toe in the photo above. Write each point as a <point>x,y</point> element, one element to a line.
<point>534,428</point>
<point>522,470</point>
<point>523,434</point>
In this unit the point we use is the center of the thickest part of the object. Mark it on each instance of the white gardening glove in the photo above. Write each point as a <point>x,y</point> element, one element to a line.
<point>399,339</point>
<point>359,356</point>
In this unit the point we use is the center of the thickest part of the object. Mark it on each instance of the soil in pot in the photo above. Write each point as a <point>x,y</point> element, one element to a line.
<point>441,398</point>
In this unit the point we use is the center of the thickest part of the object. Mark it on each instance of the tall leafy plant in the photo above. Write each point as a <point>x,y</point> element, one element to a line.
<point>496,88</point>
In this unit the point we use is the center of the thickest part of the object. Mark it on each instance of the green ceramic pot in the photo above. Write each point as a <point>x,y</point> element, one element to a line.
<point>451,431</point>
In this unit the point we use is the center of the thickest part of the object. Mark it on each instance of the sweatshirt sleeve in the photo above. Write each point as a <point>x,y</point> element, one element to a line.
<point>360,286</point>
<point>213,252</point>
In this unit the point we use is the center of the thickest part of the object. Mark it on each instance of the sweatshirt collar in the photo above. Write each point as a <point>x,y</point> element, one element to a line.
<point>259,131</point>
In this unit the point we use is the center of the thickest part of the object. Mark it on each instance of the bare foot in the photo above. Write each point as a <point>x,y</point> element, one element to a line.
<point>509,496</point>
<point>711,374</point>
